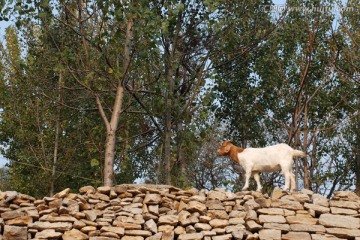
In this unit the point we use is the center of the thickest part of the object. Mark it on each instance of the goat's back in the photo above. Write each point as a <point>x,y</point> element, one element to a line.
<point>270,156</point>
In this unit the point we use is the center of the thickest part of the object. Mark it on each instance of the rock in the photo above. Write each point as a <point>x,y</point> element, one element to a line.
<point>251,205</point>
<point>48,233</point>
<point>50,218</point>
<point>58,226</point>
<point>88,229</point>
<point>190,229</point>
<point>253,226</point>
<point>142,233</point>
<point>74,234</point>
<point>277,226</point>
<point>216,195</point>
<point>296,236</point>
<point>302,219</point>
<point>118,230</point>
<point>202,227</point>
<point>152,198</point>
<point>251,215</point>
<point>271,219</point>
<point>263,202</point>
<point>221,214</point>
<point>195,206</point>
<point>157,236</point>
<point>317,208</point>
<point>343,211</point>
<point>339,221</point>
<point>307,191</point>
<point>214,205</point>
<point>270,234</point>
<point>223,237</point>
<point>238,235</point>
<point>236,221</point>
<point>347,195</point>
<point>271,211</point>
<point>169,213</point>
<point>307,228</point>
<point>12,214</point>
<point>237,214</point>
<point>204,219</point>
<point>277,193</point>
<point>132,238</point>
<point>219,223</point>
<point>87,189</point>
<point>104,190</point>
<point>191,236</point>
<point>189,221</point>
<point>344,233</point>
<point>15,233</point>
<point>62,194</point>
<point>168,220</point>
<point>318,199</point>
<point>153,209</point>
<point>324,237</point>
<point>299,197</point>
<point>344,204</point>
<point>290,205</point>
<point>20,221</point>
<point>151,226</point>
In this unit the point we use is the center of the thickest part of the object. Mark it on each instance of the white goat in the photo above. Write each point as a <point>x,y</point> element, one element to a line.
<point>268,159</point>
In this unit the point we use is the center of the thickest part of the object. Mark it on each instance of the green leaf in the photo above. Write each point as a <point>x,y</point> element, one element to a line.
<point>94,162</point>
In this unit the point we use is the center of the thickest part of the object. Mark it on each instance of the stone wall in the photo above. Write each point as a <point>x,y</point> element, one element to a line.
<point>151,212</point>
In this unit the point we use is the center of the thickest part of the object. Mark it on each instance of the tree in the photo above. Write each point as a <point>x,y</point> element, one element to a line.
<point>299,99</point>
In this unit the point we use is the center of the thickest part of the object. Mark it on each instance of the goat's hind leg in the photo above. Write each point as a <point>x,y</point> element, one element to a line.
<point>292,182</point>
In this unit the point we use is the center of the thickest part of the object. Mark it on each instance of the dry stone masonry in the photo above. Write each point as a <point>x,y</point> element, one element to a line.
<point>153,212</point>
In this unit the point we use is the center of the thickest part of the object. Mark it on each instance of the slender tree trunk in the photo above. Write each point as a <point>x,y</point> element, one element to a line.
<point>112,126</point>
<point>357,150</point>
<point>307,182</point>
<point>168,125</point>
<point>56,141</point>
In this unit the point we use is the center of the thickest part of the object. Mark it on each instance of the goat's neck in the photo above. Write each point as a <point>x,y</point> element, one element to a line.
<point>233,154</point>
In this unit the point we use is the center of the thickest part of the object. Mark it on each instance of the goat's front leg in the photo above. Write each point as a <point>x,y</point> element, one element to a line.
<point>287,176</point>
<point>257,179</point>
<point>247,177</point>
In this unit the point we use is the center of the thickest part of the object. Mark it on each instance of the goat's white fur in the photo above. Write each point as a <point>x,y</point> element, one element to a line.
<point>267,159</point>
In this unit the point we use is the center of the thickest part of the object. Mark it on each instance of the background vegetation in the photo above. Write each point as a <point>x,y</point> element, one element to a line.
<point>110,92</point>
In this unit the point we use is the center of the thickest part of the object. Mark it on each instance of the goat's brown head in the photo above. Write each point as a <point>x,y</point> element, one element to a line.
<point>225,148</point>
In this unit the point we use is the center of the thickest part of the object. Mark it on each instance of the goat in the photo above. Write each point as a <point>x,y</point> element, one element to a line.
<point>267,159</point>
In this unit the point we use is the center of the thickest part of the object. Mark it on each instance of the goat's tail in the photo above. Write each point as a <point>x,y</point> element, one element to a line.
<point>297,153</point>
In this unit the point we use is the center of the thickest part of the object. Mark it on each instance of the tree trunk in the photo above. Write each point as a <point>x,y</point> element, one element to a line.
<point>112,126</point>
<point>168,127</point>
<point>357,151</point>
<point>307,182</point>
<point>357,173</point>
<point>109,158</point>
<point>56,141</point>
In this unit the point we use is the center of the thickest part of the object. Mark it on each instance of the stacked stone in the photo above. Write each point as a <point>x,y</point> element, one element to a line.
<point>159,212</point>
